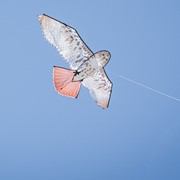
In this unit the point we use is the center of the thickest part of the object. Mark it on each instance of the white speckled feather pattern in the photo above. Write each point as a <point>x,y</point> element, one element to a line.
<point>66,40</point>
<point>100,88</point>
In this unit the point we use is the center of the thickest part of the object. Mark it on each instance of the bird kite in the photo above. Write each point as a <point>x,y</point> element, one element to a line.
<point>86,67</point>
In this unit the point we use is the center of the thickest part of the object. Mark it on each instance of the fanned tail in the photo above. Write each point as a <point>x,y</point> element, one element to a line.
<point>63,82</point>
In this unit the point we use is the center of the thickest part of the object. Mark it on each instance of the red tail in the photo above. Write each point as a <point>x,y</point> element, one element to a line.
<point>63,82</point>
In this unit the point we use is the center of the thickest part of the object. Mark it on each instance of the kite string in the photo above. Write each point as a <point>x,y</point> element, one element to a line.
<point>146,87</point>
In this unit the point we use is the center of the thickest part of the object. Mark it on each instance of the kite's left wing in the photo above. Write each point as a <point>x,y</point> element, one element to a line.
<point>100,88</point>
<point>66,40</point>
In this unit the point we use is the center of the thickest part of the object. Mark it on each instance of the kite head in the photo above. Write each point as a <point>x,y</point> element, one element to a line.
<point>103,58</point>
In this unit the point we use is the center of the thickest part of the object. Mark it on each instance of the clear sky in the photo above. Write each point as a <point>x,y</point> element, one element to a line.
<point>47,136</point>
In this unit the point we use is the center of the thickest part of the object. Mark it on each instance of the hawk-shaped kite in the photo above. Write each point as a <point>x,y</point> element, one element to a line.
<point>87,68</point>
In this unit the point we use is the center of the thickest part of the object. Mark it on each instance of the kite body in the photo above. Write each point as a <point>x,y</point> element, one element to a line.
<point>87,68</point>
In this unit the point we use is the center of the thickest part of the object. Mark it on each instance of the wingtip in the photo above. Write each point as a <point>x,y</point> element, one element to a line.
<point>103,106</point>
<point>40,17</point>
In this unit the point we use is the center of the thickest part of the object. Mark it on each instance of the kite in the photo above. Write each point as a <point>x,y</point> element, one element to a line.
<point>86,67</point>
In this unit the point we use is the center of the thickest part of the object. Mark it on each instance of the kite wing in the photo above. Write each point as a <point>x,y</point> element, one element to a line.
<point>66,40</point>
<point>100,88</point>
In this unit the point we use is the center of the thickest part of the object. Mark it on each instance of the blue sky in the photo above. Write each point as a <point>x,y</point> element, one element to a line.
<point>46,136</point>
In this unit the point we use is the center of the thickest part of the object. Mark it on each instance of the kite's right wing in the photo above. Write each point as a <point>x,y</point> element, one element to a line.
<point>66,40</point>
